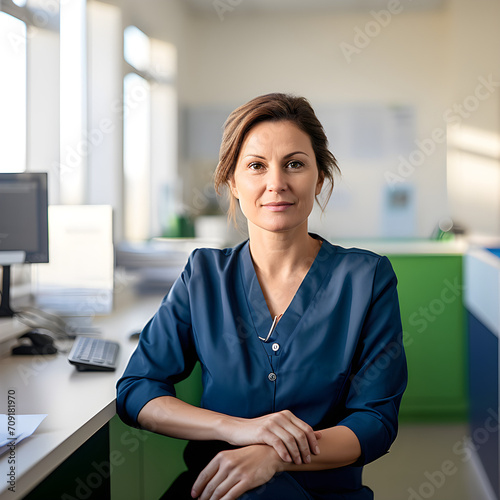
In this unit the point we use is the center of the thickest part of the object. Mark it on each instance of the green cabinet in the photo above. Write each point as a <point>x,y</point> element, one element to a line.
<point>434,332</point>
<point>144,464</point>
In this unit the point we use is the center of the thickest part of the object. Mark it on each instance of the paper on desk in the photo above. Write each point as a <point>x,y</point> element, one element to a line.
<point>22,427</point>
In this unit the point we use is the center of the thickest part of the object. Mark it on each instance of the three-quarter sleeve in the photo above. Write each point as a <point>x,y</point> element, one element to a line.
<point>379,374</point>
<point>164,356</point>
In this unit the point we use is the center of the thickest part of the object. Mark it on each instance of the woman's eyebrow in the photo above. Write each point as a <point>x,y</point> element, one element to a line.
<point>254,156</point>
<point>286,156</point>
<point>295,153</point>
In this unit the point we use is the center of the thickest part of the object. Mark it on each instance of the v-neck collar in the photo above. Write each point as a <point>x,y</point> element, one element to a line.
<point>305,294</point>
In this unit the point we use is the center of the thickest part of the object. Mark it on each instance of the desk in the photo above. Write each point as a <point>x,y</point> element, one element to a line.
<point>78,404</point>
<point>10,330</point>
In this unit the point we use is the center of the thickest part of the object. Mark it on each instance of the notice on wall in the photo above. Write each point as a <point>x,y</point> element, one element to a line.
<point>369,132</point>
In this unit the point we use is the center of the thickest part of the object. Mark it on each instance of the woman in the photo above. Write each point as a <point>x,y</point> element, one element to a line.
<point>299,340</point>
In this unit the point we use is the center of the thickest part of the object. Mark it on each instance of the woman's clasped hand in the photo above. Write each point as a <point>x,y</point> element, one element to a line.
<point>292,439</point>
<point>231,473</point>
<point>267,443</point>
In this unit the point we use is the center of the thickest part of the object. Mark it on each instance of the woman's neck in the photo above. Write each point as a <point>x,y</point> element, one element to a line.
<point>282,253</point>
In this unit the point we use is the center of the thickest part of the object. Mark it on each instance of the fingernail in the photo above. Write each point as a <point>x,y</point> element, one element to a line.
<point>317,450</point>
<point>308,458</point>
<point>194,493</point>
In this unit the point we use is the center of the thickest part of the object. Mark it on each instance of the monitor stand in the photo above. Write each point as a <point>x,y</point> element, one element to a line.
<point>5,309</point>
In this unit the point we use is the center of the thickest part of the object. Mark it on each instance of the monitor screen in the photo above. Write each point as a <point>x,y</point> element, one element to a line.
<point>24,217</point>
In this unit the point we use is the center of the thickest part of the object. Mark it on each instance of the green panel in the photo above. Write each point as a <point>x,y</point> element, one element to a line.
<point>145,464</point>
<point>163,460</point>
<point>191,389</point>
<point>432,312</point>
<point>126,455</point>
<point>84,474</point>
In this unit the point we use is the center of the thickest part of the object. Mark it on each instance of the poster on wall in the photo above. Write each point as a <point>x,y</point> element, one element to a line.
<point>369,132</point>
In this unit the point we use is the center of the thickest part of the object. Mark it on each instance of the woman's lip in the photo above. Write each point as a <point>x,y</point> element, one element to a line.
<point>278,207</point>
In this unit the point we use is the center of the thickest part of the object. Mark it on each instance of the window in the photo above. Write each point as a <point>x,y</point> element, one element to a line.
<point>12,94</point>
<point>136,156</point>
<point>149,135</point>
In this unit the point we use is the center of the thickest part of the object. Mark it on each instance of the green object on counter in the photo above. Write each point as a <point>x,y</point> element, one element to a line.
<point>179,226</point>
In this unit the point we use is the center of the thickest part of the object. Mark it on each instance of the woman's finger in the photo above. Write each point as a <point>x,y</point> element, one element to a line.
<point>236,491</point>
<point>204,478</point>
<point>308,433</point>
<point>298,437</point>
<point>271,439</point>
<point>298,444</point>
<point>284,444</point>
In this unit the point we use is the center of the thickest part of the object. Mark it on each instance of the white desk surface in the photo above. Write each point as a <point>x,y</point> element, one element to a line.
<point>10,330</point>
<point>77,403</point>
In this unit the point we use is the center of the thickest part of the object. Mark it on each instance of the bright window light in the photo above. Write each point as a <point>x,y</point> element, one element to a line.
<point>136,48</point>
<point>136,156</point>
<point>476,141</point>
<point>12,94</point>
<point>50,6</point>
<point>163,60</point>
<point>19,3</point>
<point>74,145</point>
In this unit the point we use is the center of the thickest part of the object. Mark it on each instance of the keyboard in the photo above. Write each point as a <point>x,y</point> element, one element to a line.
<point>94,354</point>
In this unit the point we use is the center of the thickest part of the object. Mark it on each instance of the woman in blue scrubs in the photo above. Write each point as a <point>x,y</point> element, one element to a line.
<point>299,340</point>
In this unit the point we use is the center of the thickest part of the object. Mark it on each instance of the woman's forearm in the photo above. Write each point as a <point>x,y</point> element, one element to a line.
<point>172,417</point>
<point>338,445</point>
<point>251,466</point>
<point>293,439</point>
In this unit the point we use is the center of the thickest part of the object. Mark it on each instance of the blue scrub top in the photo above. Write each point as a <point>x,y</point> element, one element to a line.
<point>335,358</point>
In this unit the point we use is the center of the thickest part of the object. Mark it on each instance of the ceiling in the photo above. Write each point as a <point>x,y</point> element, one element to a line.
<point>204,6</point>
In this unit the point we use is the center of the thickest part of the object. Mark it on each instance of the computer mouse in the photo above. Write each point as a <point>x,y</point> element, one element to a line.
<point>134,335</point>
<point>35,343</point>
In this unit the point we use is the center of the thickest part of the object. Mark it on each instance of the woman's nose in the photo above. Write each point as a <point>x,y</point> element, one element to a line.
<point>276,181</point>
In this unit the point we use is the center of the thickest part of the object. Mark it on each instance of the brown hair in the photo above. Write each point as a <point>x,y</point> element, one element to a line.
<point>272,107</point>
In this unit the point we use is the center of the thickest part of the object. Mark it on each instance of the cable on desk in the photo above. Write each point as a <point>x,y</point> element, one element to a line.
<point>36,318</point>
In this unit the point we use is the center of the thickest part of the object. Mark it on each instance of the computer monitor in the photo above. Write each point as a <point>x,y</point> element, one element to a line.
<point>23,225</point>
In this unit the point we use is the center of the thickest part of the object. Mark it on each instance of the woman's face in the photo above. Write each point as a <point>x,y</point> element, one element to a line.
<point>276,177</point>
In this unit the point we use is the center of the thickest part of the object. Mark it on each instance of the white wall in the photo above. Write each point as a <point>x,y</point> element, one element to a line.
<point>430,60</point>
<point>404,64</point>
<point>473,162</point>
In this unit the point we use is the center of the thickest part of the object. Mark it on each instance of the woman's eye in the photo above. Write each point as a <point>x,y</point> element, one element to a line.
<point>255,166</point>
<point>295,165</point>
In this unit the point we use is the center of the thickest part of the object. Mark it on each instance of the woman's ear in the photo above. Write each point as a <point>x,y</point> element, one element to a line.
<point>232,187</point>
<point>319,184</point>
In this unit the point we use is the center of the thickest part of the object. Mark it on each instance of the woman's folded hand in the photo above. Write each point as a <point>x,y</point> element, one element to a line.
<point>231,473</point>
<point>292,438</point>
